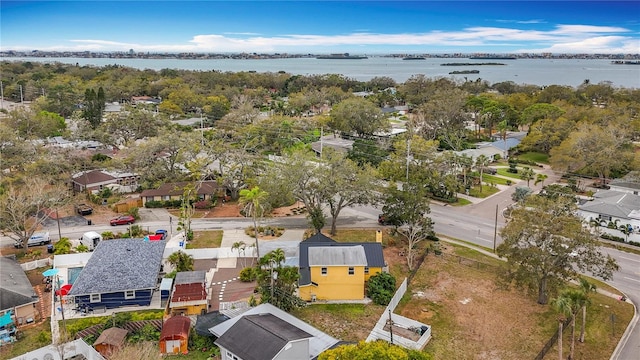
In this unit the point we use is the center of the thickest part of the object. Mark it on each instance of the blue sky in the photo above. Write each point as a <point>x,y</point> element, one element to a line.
<point>299,27</point>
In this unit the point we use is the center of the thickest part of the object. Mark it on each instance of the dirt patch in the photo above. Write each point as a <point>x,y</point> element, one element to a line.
<point>470,316</point>
<point>232,209</point>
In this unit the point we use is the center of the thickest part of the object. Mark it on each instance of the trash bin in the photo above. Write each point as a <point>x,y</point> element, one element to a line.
<point>181,244</point>
<point>50,249</point>
<point>89,222</point>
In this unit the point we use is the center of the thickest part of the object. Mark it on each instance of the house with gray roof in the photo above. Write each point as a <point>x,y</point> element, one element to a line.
<point>628,185</point>
<point>121,272</point>
<point>16,293</point>
<point>612,206</point>
<point>267,332</point>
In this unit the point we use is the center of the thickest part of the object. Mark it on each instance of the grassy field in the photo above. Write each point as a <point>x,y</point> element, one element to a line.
<point>534,156</point>
<point>471,317</point>
<point>29,339</point>
<point>495,180</point>
<point>205,239</point>
<point>505,172</point>
<point>486,191</point>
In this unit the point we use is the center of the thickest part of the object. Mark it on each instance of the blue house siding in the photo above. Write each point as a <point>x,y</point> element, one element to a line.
<point>115,300</point>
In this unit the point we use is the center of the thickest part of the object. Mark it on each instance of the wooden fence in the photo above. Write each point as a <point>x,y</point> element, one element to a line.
<point>126,206</point>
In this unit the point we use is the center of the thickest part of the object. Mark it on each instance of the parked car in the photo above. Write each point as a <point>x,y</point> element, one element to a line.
<point>123,220</point>
<point>384,220</point>
<point>163,234</point>
<point>38,238</point>
<point>84,209</point>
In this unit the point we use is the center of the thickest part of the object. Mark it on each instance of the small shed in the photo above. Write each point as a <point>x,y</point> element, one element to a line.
<point>110,341</point>
<point>174,337</point>
<point>165,290</point>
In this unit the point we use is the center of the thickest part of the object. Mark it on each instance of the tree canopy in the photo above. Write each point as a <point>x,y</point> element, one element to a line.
<point>545,245</point>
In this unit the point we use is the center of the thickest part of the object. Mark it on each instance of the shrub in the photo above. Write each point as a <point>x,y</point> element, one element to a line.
<point>63,246</point>
<point>248,274</point>
<point>134,212</point>
<point>154,204</point>
<point>381,288</point>
<point>203,204</point>
<point>82,248</point>
<point>108,235</point>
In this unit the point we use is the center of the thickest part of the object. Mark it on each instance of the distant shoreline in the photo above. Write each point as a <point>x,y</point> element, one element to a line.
<point>257,56</point>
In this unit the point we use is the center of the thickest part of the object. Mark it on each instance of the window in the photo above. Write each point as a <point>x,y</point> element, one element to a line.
<point>366,270</point>
<point>166,197</point>
<point>324,271</point>
<point>94,298</point>
<point>129,294</point>
<point>352,271</point>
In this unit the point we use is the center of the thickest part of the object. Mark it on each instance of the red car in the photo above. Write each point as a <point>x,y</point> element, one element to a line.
<point>122,220</point>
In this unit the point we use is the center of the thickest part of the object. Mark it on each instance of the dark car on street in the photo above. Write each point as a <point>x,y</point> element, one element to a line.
<point>123,220</point>
<point>384,220</point>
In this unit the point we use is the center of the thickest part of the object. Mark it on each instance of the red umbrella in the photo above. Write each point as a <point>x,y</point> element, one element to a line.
<point>64,290</point>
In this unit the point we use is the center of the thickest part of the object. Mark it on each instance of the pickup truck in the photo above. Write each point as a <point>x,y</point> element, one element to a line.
<point>84,209</point>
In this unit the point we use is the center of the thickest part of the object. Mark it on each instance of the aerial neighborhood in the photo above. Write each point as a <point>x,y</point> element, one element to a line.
<point>247,215</point>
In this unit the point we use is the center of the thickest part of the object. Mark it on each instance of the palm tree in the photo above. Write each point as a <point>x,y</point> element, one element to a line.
<point>568,303</point>
<point>481,162</point>
<point>239,245</point>
<point>252,202</point>
<point>561,305</point>
<point>586,287</point>
<point>527,174</point>
<point>540,178</point>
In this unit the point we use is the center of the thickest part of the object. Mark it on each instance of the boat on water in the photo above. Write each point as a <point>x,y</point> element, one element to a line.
<point>414,58</point>
<point>341,56</point>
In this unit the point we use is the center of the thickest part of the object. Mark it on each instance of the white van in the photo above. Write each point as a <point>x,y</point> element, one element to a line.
<point>90,239</point>
<point>38,238</point>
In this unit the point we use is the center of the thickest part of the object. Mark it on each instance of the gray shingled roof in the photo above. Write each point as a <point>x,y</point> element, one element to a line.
<point>15,288</point>
<point>119,265</point>
<point>373,252</point>
<point>190,277</point>
<point>260,336</point>
<point>613,203</point>
<point>337,256</point>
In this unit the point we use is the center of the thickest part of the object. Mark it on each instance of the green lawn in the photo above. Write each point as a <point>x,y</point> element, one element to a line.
<point>535,156</point>
<point>505,172</point>
<point>495,179</point>
<point>205,239</point>
<point>461,202</point>
<point>486,191</point>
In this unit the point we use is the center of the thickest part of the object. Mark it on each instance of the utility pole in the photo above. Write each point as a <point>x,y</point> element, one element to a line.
<point>408,157</point>
<point>321,135</point>
<point>1,95</point>
<point>495,230</point>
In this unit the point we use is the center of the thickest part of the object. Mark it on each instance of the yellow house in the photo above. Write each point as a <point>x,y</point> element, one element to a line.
<point>330,270</point>
<point>189,296</point>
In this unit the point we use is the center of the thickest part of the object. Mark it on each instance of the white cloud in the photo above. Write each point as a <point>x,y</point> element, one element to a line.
<point>562,38</point>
